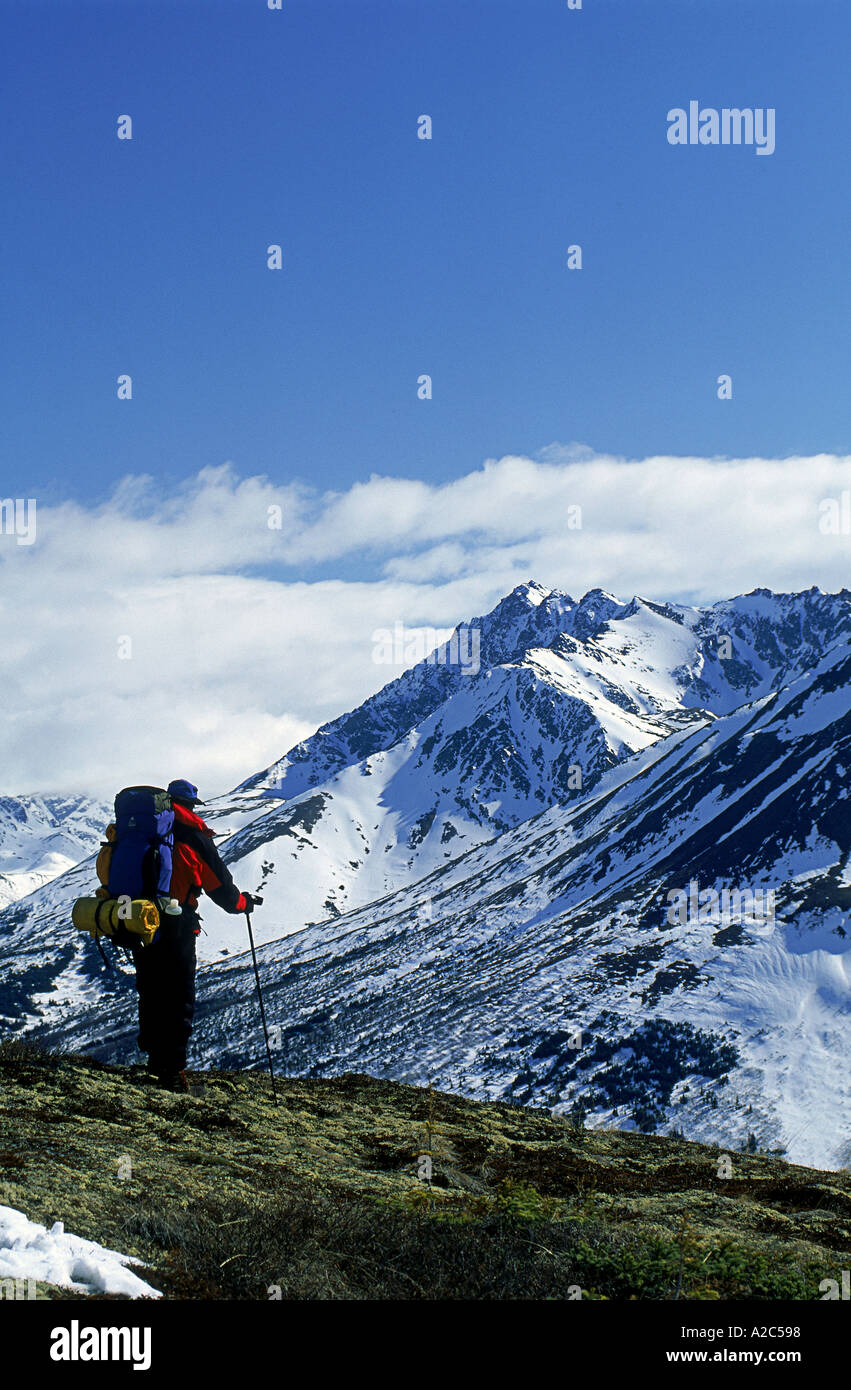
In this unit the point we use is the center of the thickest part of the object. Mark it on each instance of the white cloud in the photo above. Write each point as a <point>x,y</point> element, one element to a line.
<point>236,653</point>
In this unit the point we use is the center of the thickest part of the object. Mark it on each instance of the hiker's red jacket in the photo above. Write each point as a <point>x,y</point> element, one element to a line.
<point>196,865</point>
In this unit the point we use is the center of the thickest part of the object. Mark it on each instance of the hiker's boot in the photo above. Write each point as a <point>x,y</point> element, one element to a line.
<point>142,1075</point>
<point>174,1081</point>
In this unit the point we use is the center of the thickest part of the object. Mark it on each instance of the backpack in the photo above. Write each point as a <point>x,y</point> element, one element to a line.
<point>141,859</point>
<point>134,867</point>
<point>104,859</point>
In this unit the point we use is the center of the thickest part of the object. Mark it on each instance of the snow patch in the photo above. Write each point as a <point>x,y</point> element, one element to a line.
<point>31,1251</point>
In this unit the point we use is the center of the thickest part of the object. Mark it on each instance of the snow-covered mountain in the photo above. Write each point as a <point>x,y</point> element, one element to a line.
<point>454,752</point>
<point>449,755</point>
<point>672,951</point>
<point>497,842</point>
<point>43,836</point>
<point>441,760</point>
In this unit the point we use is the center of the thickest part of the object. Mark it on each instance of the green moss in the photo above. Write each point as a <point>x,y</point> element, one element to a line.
<point>227,1194</point>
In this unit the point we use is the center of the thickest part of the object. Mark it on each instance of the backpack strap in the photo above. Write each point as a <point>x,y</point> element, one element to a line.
<point>107,962</point>
<point>98,932</point>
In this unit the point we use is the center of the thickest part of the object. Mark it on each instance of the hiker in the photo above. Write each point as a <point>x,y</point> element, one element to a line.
<point>165,970</point>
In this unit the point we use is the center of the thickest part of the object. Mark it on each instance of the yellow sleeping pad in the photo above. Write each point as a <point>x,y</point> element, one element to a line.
<point>114,916</point>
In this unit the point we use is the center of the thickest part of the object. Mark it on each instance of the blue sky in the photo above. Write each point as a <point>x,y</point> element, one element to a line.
<point>403,256</point>
<point>298,389</point>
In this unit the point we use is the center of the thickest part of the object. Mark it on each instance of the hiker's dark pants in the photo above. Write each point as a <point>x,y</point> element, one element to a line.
<point>165,980</point>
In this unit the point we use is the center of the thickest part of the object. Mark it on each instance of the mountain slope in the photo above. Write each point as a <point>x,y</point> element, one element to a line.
<point>43,836</point>
<point>320,1196</point>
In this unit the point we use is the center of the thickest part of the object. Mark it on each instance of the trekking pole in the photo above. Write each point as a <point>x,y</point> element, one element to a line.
<point>260,997</point>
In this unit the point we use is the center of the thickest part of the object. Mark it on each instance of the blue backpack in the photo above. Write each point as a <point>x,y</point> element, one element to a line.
<point>140,866</point>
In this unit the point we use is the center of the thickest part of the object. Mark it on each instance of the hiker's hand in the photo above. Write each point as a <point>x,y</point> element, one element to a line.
<point>251,901</point>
